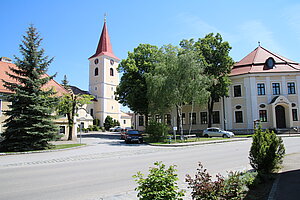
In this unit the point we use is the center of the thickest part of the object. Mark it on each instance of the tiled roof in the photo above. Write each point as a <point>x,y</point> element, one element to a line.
<point>4,67</point>
<point>104,45</point>
<point>255,61</point>
<point>77,91</point>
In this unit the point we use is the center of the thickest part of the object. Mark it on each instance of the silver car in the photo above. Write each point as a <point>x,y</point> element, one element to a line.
<point>217,132</point>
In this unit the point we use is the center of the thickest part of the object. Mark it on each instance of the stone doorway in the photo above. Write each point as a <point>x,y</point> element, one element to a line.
<point>280,117</point>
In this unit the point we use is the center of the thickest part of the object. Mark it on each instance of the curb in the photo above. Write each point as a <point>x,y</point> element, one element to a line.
<point>197,143</point>
<point>274,188</point>
<point>41,151</point>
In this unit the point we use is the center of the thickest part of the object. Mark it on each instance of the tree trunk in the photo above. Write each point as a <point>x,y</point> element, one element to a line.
<point>70,123</point>
<point>210,111</point>
<point>71,120</point>
<point>146,120</point>
<point>191,120</point>
<point>179,114</point>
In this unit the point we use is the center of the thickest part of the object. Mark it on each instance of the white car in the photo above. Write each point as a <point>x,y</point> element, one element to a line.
<point>217,132</point>
<point>115,129</point>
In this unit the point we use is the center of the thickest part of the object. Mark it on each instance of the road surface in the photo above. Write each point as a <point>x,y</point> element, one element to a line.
<point>104,169</point>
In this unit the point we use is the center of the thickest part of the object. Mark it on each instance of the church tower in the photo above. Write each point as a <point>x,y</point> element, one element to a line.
<point>103,79</point>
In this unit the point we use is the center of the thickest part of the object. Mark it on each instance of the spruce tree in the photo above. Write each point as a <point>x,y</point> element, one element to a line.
<point>29,125</point>
<point>65,82</point>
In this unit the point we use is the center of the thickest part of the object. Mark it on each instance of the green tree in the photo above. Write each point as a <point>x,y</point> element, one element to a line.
<point>214,53</point>
<point>65,81</point>
<point>69,104</point>
<point>132,90</point>
<point>29,125</point>
<point>176,81</point>
<point>110,122</point>
<point>160,184</point>
<point>157,131</point>
<point>267,151</point>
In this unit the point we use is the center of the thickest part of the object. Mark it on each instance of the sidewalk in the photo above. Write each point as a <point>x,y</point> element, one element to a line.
<point>287,185</point>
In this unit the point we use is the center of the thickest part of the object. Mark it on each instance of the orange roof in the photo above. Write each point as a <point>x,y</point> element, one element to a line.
<point>255,62</point>
<point>104,45</point>
<point>4,67</point>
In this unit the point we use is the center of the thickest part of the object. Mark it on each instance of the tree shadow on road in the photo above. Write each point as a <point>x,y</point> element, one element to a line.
<point>123,143</point>
<point>100,135</point>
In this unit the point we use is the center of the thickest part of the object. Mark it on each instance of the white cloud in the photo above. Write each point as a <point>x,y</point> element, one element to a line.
<point>255,31</point>
<point>194,27</point>
<point>292,16</point>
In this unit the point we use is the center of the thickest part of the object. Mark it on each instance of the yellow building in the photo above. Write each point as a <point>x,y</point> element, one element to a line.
<point>5,65</point>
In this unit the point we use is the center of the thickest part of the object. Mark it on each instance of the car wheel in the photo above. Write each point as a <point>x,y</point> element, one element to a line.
<point>225,136</point>
<point>206,135</point>
<point>126,141</point>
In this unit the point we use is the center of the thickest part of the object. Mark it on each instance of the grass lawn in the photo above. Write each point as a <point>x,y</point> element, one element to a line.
<point>244,136</point>
<point>65,146</point>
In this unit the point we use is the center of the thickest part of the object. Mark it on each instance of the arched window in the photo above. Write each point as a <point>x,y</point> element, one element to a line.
<point>92,112</point>
<point>96,71</point>
<point>111,71</point>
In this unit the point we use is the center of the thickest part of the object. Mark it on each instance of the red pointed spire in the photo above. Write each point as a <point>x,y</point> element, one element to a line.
<point>104,45</point>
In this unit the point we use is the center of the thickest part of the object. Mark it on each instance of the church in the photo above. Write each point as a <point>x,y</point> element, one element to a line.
<point>103,81</point>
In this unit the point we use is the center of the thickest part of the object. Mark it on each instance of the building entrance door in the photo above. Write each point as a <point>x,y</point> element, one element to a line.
<point>280,117</point>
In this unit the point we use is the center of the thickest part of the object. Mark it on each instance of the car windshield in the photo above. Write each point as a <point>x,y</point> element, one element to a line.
<point>133,132</point>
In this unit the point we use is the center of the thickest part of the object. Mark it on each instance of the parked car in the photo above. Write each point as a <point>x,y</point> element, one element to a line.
<point>115,129</point>
<point>124,131</point>
<point>217,132</point>
<point>133,136</point>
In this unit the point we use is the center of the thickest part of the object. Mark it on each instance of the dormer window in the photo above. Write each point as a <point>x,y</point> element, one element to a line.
<point>270,63</point>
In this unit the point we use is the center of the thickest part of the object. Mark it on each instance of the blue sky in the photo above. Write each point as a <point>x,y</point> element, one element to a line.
<point>71,28</point>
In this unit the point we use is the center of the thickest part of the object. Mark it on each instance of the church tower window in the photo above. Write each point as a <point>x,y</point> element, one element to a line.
<point>111,71</point>
<point>96,71</point>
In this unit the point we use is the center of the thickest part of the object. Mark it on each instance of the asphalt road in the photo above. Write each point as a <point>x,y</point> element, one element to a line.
<point>104,169</point>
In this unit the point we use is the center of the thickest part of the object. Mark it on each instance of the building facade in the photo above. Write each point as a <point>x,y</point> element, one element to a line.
<point>265,87</point>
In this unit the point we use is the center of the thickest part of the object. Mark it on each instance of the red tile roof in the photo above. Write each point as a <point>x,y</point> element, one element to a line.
<point>104,45</point>
<point>4,67</point>
<point>255,61</point>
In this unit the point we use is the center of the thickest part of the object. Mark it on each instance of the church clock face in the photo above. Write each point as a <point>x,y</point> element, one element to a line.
<point>112,61</point>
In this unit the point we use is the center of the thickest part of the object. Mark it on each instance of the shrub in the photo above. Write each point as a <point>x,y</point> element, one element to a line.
<point>157,131</point>
<point>235,187</point>
<point>203,187</point>
<point>267,151</point>
<point>90,128</point>
<point>96,128</point>
<point>96,122</point>
<point>159,185</point>
<point>108,122</point>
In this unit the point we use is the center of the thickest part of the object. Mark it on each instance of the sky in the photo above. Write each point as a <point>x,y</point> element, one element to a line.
<point>71,28</point>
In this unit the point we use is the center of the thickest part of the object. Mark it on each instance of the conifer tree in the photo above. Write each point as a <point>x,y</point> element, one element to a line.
<point>65,81</point>
<point>29,125</point>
